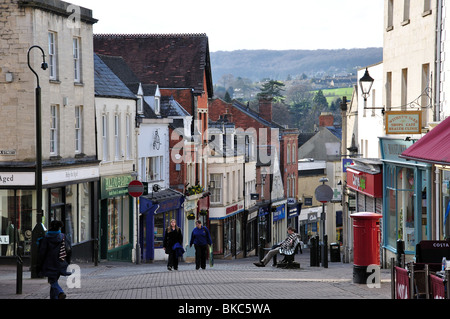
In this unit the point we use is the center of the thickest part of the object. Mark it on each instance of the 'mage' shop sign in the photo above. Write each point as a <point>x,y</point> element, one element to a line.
<point>407,122</point>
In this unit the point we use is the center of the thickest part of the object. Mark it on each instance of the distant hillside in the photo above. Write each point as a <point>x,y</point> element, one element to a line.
<point>279,65</point>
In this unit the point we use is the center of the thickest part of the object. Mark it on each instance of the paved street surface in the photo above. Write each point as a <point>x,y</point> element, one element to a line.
<point>227,279</point>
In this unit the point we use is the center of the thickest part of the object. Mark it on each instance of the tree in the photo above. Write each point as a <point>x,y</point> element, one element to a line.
<point>272,88</point>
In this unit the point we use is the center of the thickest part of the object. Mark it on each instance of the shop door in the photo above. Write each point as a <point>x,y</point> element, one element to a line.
<point>57,206</point>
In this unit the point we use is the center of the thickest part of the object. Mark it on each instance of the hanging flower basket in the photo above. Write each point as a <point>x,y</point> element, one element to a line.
<point>190,216</point>
<point>203,212</point>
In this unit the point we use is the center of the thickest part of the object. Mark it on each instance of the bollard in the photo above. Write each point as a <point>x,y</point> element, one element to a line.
<point>325,252</point>
<point>19,275</point>
<point>96,252</point>
<point>400,253</point>
<point>447,278</point>
<point>262,244</point>
<point>392,278</point>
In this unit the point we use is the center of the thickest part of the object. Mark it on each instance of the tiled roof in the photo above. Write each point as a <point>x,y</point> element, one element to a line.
<point>120,68</point>
<point>169,60</point>
<point>170,107</point>
<point>107,84</point>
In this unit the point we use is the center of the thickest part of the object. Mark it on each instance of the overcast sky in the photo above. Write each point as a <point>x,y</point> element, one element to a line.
<point>248,24</point>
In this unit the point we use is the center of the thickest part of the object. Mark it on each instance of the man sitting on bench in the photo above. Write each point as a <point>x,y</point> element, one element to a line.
<point>288,243</point>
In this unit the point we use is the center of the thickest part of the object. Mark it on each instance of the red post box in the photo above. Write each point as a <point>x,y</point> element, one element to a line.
<point>366,244</point>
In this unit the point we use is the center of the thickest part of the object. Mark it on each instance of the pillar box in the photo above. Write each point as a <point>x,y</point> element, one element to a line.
<point>366,244</point>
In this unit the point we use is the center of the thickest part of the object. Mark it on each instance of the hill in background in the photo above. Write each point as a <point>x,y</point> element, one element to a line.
<point>280,65</point>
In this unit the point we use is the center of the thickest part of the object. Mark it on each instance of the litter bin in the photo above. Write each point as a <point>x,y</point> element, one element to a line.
<point>366,244</point>
<point>335,252</point>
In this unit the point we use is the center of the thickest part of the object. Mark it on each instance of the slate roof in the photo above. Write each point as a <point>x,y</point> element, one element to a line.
<point>120,68</point>
<point>107,84</point>
<point>169,60</point>
<point>169,107</point>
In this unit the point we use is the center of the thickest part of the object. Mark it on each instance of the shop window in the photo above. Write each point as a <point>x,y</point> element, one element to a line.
<point>118,222</point>
<point>162,222</point>
<point>445,198</point>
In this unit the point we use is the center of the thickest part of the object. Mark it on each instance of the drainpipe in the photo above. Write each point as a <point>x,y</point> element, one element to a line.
<point>437,77</point>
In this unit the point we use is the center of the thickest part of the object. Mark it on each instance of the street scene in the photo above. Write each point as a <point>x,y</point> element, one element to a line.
<point>226,279</point>
<point>147,155</point>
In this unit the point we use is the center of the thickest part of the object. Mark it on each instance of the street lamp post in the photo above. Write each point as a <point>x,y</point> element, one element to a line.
<point>365,84</point>
<point>38,230</point>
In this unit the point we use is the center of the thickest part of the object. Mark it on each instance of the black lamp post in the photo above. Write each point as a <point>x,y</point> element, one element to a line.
<point>366,83</point>
<point>38,230</point>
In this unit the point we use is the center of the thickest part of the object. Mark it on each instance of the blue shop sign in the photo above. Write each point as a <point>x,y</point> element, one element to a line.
<point>279,213</point>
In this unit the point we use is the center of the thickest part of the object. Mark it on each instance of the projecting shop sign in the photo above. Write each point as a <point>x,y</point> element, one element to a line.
<point>406,122</point>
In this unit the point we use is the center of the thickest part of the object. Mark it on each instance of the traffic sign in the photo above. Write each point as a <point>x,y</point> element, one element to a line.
<point>135,188</point>
<point>324,193</point>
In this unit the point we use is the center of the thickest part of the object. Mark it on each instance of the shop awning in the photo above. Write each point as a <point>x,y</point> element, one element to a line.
<point>433,147</point>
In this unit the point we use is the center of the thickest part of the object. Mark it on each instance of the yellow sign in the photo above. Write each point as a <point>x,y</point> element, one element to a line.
<point>403,122</point>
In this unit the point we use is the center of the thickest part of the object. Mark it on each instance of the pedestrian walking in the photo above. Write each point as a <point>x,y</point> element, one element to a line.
<point>173,240</point>
<point>288,243</point>
<point>200,238</point>
<point>54,256</point>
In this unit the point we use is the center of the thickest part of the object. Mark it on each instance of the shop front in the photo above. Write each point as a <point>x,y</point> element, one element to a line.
<point>366,179</point>
<point>116,218</point>
<point>251,231</point>
<point>293,212</point>
<point>68,195</point>
<point>227,230</point>
<point>279,221</point>
<point>406,198</point>
<point>264,223</point>
<point>433,149</point>
<point>157,210</point>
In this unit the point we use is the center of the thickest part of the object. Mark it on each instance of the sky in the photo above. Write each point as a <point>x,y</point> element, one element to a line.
<point>248,24</point>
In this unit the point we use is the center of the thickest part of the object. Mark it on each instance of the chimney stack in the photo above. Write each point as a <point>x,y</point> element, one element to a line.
<point>326,119</point>
<point>265,108</point>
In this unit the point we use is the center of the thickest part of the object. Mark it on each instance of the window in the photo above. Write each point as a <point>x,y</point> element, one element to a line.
<point>157,105</point>
<point>140,105</point>
<point>78,129</point>
<point>425,99</point>
<point>52,55</point>
<point>293,152</point>
<point>288,154</point>
<point>105,137</point>
<point>117,136</point>
<point>128,137</point>
<point>404,89</point>
<point>388,91</point>
<point>54,123</point>
<point>118,221</point>
<point>406,9</point>
<point>215,187</point>
<point>426,6</point>
<point>390,18</point>
<point>154,168</point>
<point>76,60</point>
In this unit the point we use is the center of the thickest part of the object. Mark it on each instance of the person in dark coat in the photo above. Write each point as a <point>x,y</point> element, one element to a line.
<point>54,257</point>
<point>172,236</point>
<point>200,238</point>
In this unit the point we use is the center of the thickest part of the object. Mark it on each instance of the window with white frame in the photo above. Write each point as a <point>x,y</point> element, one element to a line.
<point>154,168</point>
<point>128,136</point>
<point>105,142</point>
<point>52,59</point>
<point>215,187</point>
<point>140,105</point>
<point>54,128</point>
<point>157,105</point>
<point>78,129</point>
<point>116,136</point>
<point>76,60</point>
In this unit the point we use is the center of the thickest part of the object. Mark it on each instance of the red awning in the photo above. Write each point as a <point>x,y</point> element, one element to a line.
<point>433,147</point>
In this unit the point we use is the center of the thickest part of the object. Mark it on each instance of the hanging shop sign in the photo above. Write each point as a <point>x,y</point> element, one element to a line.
<point>403,122</point>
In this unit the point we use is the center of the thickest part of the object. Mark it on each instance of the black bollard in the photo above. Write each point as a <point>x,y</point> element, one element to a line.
<point>325,252</point>
<point>19,275</point>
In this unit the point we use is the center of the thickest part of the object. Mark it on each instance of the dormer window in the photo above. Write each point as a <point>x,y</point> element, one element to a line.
<point>157,106</point>
<point>140,105</point>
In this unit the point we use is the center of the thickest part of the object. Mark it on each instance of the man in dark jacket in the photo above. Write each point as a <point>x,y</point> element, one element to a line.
<point>201,238</point>
<point>54,257</point>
